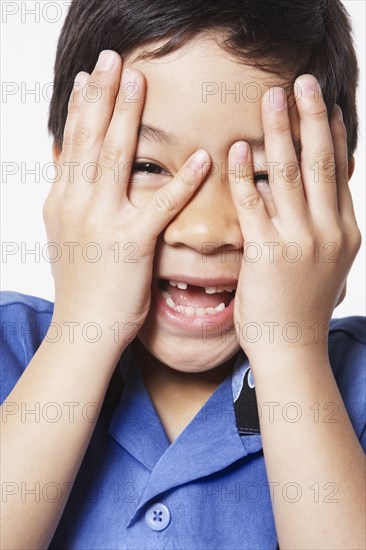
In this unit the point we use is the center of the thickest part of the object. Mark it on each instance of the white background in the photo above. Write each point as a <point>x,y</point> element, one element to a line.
<point>28,52</point>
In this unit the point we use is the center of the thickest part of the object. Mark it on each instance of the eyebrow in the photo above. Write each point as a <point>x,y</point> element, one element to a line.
<point>151,133</point>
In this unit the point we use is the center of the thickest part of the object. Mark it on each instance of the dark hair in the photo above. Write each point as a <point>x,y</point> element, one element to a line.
<point>285,37</point>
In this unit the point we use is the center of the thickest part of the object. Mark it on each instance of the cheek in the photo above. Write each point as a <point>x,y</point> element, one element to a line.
<point>138,197</point>
<point>141,188</point>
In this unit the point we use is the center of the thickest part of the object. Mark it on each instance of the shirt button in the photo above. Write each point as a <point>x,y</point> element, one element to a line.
<point>157,516</point>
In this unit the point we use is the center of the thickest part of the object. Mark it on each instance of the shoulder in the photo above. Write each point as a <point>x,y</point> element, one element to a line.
<point>351,327</point>
<point>24,323</point>
<point>347,355</point>
<point>11,299</point>
<point>347,345</point>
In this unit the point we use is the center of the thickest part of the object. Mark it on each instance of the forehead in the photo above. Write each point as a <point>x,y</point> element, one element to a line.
<point>203,96</point>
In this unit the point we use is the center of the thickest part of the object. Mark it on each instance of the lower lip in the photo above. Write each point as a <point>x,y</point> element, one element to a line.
<point>193,323</point>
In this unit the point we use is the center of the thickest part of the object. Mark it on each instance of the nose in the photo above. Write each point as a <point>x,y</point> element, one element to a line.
<point>209,217</point>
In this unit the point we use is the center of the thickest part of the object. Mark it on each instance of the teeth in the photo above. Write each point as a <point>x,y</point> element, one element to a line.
<point>208,289</point>
<point>191,311</point>
<point>218,289</point>
<point>170,303</point>
<point>182,286</point>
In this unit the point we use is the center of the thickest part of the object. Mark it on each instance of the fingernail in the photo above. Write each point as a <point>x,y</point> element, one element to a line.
<point>106,60</point>
<point>277,99</point>
<point>198,159</point>
<point>309,86</point>
<point>337,112</point>
<point>240,150</point>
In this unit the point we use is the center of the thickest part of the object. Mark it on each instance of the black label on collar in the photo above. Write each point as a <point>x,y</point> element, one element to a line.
<point>246,411</point>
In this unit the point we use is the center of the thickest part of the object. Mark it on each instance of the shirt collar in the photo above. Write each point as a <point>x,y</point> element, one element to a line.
<point>210,442</point>
<point>136,414</point>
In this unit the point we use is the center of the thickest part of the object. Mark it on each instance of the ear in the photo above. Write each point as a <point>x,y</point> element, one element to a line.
<point>55,153</point>
<point>351,167</point>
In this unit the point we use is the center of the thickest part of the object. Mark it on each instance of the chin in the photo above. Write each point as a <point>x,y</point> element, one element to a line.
<point>187,353</point>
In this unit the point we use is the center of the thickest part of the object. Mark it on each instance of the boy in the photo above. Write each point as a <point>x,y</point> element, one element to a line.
<point>185,391</point>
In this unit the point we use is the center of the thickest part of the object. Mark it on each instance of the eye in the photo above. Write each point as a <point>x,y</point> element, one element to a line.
<point>149,168</point>
<point>261,177</point>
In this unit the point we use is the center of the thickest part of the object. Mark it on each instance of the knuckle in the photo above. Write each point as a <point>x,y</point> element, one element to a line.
<point>110,154</point>
<point>325,161</point>
<point>249,201</point>
<point>356,238</point>
<point>280,128</point>
<point>291,170</point>
<point>47,210</point>
<point>287,176</point>
<point>324,156</point>
<point>82,136</point>
<point>318,111</point>
<point>164,201</point>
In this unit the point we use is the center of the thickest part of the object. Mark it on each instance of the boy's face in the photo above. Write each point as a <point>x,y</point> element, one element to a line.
<point>203,99</point>
<point>198,98</point>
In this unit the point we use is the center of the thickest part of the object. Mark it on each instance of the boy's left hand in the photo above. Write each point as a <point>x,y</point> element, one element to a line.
<point>295,263</point>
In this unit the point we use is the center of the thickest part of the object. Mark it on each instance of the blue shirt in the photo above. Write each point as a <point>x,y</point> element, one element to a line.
<point>206,490</point>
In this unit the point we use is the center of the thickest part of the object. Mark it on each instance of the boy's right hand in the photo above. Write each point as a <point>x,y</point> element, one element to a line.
<point>104,273</point>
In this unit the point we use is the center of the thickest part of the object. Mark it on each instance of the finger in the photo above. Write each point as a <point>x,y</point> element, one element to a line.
<point>252,213</point>
<point>165,203</point>
<point>317,156</point>
<point>73,110</point>
<point>283,169</point>
<point>118,149</point>
<point>265,192</point>
<point>344,197</point>
<point>98,101</point>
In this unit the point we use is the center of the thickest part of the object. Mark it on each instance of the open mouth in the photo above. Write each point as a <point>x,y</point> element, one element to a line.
<point>195,300</point>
